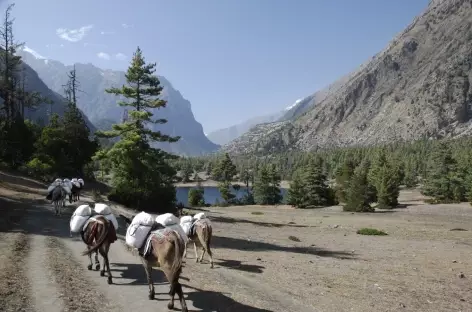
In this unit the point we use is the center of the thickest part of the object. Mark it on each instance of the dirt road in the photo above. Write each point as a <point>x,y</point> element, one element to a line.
<point>41,269</point>
<point>266,259</point>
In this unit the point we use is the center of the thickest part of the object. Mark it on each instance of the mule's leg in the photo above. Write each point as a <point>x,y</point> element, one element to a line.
<point>97,262</point>
<point>90,259</point>
<point>180,293</point>
<point>104,253</point>
<point>203,253</point>
<point>110,278</point>
<point>208,248</point>
<point>195,248</point>
<point>148,270</point>
<point>185,249</point>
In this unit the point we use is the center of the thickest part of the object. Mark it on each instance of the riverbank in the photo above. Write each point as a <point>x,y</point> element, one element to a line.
<point>212,183</point>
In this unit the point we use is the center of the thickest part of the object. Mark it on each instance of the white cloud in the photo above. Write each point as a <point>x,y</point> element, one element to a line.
<point>73,35</point>
<point>107,33</point>
<point>120,56</point>
<point>103,55</point>
<point>35,54</point>
<point>124,25</point>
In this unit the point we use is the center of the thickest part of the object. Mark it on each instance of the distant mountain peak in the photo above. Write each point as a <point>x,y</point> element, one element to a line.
<point>34,53</point>
<point>293,105</point>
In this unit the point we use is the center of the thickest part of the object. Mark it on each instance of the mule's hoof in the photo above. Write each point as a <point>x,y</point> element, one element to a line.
<point>151,296</point>
<point>89,267</point>
<point>110,281</point>
<point>102,273</point>
<point>170,306</point>
<point>97,267</point>
<point>211,266</point>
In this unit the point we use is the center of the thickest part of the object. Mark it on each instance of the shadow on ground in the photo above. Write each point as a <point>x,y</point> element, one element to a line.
<point>266,224</point>
<point>240,266</point>
<point>209,301</point>
<point>243,244</point>
<point>137,273</point>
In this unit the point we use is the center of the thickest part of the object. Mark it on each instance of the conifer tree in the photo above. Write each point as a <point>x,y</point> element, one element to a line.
<point>76,132</point>
<point>343,177</point>
<point>142,175</point>
<point>316,189</point>
<point>267,186</point>
<point>296,192</point>
<point>357,196</point>
<point>442,182</point>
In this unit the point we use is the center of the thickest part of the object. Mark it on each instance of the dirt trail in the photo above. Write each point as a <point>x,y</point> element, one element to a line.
<point>42,269</point>
<point>267,259</point>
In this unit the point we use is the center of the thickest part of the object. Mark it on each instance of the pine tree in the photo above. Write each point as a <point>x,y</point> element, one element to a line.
<point>76,132</point>
<point>316,189</point>
<point>142,176</point>
<point>224,170</point>
<point>296,192</point>
<point>343,177</point>
<point>357,196</point>
<point>385,176</point>
<point>441,179</point>
<point>267,186</point>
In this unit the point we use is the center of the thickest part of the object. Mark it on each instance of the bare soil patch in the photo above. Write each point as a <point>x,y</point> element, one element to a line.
<point>14,289</point>
<point>78,292</point>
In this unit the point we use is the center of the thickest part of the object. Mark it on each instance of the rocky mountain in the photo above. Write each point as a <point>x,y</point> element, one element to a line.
<point>419,86</point>
<point>33,83</point>
<point>103,110</point>
<point>226,135</point>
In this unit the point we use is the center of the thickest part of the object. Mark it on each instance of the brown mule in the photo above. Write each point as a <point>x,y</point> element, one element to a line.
<point>102,232</point>
<point>200,234</point>
<point>167,253</point>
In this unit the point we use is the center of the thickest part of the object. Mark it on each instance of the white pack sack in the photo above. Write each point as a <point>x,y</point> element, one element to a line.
<point>143,218</point>
<point>77,222</point>
<point>51,187</point>
<point>81,181</point>
<point>67,189</point>
<point>113,220</point>
<point>136,235</point>
<point>76,184</point>
<point>186,227</point>
<point>200,215</point>
<point>180,230</point>
<point>167,219</point>
<point>185,219</point>
<point>83,210</point>
<point>102,209</point>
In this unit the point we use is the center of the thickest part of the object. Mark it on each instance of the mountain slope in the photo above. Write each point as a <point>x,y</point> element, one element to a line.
<point>33,83</point>
<point>103,110</point>
<point>225,135</point>
<point>418,86</point>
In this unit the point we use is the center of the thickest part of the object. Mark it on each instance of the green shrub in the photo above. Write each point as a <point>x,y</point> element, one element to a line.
<point>196,197</point>
<point>370,231</point>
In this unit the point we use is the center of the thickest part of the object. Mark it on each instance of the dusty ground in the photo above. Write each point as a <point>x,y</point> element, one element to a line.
<point>420,266</point>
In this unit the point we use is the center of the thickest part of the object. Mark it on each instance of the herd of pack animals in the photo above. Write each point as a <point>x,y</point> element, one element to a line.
<point>160,241</point>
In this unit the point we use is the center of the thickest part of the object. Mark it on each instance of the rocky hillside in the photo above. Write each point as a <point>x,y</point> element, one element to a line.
<point>417,87</point>
<point>226,135</point>
<point>103,110</point>
<point>33,83</point>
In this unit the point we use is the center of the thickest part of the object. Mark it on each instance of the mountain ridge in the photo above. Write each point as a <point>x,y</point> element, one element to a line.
<point>418,86</point>
<point>103,110</point>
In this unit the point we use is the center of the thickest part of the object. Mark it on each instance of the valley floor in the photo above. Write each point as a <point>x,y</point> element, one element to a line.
<point>266,259</point>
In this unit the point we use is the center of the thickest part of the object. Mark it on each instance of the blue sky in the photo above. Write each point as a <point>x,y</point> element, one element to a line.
<point>233,59</point>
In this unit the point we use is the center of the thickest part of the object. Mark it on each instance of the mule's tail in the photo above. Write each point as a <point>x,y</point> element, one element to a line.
<point>101,239</point>
<point>177,263</point>
<point>204,236</point>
